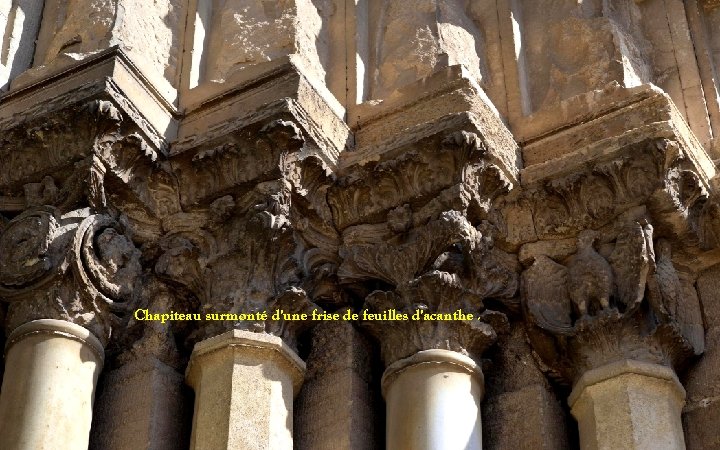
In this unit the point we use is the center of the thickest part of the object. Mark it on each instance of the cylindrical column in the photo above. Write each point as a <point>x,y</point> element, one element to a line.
<point>631,405</point>
<point>51,370</point>
<point>244,386</point>
<point>433,402</point>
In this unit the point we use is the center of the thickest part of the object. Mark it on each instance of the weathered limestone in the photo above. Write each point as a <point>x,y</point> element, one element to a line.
<point>546,166</point>
<point>337,406</point>
<point>19,25</point>
<point>140,405</point>
<point>630,405</point>
<point>433,402</point>
<point>703,393</point>
<point>244,388</point>
<point>150,33</point>
<point>48,388</point>
<point>520,407</point>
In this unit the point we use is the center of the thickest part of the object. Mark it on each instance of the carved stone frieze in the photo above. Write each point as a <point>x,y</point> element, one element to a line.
<point>78,266</point>
<point>239,158</point>
<point>43,143</point>
<point>87,155</point>
<point>656,173</point>
<point>618,296</point>
<point>454,168</point>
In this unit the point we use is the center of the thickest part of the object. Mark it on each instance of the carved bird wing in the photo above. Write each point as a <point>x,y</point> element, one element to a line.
<point>545,296</point>
<point>689,316</point>
<point>630,265</point>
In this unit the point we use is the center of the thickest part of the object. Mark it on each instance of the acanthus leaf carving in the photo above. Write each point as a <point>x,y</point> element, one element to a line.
<point>433,292</point>
<point>456,163</point>
<point>399,263</point>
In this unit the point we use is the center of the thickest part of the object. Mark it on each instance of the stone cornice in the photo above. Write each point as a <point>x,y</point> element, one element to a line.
<point>108,75</point>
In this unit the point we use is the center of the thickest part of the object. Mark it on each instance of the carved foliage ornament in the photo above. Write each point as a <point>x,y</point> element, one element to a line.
<point>258,249</point>
<point>76,267</point>
<point>436,268</point>
<point>656,173</point>
<point>419,174</point>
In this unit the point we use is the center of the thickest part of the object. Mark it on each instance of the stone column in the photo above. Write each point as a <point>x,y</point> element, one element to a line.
<point>244,386</point>
<point>55,272</point>
<point>432,385</point>
<point>47,395</point>
<point>433,402</point>
<point>621,351</point>
<point>631,405</point>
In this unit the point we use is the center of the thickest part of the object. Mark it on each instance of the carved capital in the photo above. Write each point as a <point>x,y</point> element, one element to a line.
<point>444,267</point>
<point>413,323</point>
<point>77,267</point>
<point>262,248</point>
<point>618,296</point>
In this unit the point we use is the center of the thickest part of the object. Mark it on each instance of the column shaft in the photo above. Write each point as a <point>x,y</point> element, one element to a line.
<point>244,386</point>
<point>433,402</point>
<point>51,371</point>
<point>630,405</point>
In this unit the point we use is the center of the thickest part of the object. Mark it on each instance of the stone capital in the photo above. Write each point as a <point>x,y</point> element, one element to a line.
<point>615,226</point>
<point>77,267</point>
<point>445,266</point>
<point>255,235</point>
<point>624,299</point>
<point>413,326</point>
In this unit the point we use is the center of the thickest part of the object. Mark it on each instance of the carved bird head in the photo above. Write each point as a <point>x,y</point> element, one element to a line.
<point>664,249</point>
<point>586,239</point>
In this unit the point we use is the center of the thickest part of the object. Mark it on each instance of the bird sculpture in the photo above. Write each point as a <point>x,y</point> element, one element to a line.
<point>665,289</point>
<point>590,277</point>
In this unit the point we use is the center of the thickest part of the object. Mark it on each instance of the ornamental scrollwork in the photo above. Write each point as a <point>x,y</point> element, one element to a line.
<point>76,266</point>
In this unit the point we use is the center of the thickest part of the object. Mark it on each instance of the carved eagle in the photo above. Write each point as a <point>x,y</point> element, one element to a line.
<point>590,276</point>
<point>630,261</point>
<point>545,295</point>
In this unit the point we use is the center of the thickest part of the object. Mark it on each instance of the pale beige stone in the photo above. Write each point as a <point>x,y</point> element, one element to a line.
<point>433,402</point>
<point>51,371</point>
<point>150,33</point>
<point>19,25</point>
<point>548,164</point>
<point>630,405</point>
<point>140,406</point>
<point>244,386</point>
